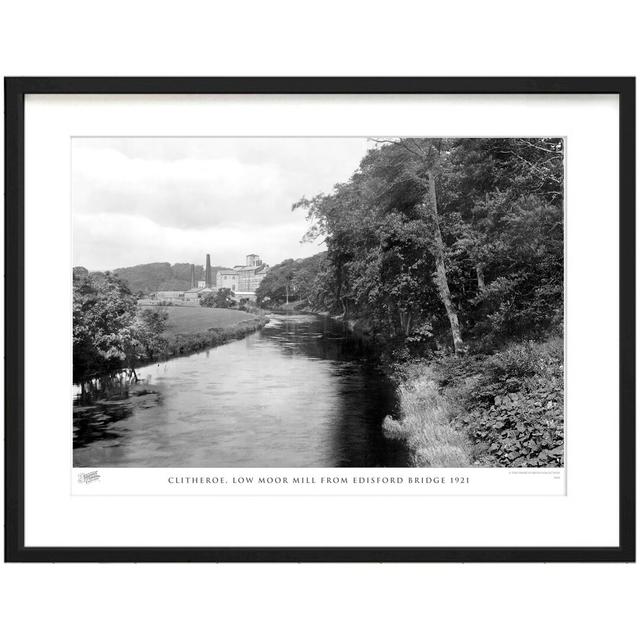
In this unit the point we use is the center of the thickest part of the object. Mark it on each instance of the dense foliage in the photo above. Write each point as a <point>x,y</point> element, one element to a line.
<point>221,299</point>
<point>108,332</point>
<point>299,280</point>
<point>512,403</point>
<point>161,276</point>
<point>445,242</point>
<point>504,409</point>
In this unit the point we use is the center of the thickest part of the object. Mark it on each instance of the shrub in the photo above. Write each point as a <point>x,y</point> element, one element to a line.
<point>221,299</point>
<point>512,405</point>
<point>426,424</point>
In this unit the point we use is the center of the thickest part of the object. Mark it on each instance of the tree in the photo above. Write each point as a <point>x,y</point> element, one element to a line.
<point>420,161</point>
<point>162,276</point>
<point>406,169</point>
<point>304,280</point>
<point>108,333</point>
<point>221,299</point>
<point>293,281</point>
<point>456,235</point>
<point>508,194</point>
<point>80,272</point>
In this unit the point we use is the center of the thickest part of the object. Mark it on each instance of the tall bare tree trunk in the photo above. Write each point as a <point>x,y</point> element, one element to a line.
<point>480,273</point>
<point>345,307</point>
<point>440,279</point>
<point>405,322</point>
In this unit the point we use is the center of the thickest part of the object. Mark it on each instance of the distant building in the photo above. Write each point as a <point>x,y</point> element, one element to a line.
<point>253,260</point>
<point>175,297</point>
<point>227,279</point>
<point>246,277</point>
<point>207,272</point>
<point>243,280</point>
<point>193,294</point>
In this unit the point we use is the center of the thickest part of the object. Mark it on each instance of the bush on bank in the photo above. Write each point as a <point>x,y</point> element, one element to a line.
<point>109,334</point>
<point>112,333</point>
<point>182,344</point>
<point>499,410</point>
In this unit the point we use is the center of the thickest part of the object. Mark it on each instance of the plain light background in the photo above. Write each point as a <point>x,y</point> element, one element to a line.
<point>587,516</point>
<point>324,601</point>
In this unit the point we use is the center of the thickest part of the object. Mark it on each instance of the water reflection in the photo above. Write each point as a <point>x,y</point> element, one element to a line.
<point>300,393</point>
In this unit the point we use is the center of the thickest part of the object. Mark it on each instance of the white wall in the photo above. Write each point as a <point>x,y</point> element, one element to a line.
<point>334,37</point>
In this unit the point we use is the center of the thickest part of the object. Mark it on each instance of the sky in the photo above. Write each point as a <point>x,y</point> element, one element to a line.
<point>139,200</point>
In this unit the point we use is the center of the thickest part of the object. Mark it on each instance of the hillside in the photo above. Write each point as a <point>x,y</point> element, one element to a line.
<point>160,276</point>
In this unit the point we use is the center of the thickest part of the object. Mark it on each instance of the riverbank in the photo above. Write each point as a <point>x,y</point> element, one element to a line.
<point>296,307</point>
<point>361,327</point>
<point>241,406</point>
<point>192,329</point>
<point>113,397</point>
<point>499,410</point>
<point>504,409</point>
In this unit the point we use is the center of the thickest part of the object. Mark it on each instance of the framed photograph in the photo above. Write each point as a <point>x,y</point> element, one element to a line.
<point>320,319</point>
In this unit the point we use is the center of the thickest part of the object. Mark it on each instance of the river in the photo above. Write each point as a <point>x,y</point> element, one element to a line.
<point>301,392</point>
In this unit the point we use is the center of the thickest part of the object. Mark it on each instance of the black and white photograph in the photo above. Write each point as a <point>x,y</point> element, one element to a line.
<point>320,302</point>
<point>320,319</point>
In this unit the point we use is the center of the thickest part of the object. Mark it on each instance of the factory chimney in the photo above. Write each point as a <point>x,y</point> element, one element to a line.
<point>207,272</point>
<point>193,276</point>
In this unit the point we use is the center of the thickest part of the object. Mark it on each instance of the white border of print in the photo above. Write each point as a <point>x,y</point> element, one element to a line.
<point>586,516</point>
<point>318,482</point>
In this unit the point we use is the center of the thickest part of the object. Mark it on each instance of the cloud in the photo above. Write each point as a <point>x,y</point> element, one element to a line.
<point>106,241</point>
<point>178,198</point>
<point>185,193</point>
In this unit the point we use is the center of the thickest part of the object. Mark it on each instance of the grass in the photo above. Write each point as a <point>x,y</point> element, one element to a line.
<point>192,329</point>
<point>189,320</point>
<point>426,423</point>
<point>500,410</point>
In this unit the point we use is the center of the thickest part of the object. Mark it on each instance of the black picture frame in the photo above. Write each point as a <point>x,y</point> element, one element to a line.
<point>15,91</point>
